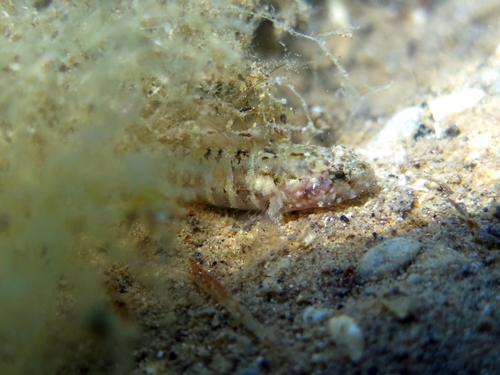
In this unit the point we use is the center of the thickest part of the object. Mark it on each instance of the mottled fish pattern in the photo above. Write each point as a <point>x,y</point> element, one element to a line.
<point>278,178</point>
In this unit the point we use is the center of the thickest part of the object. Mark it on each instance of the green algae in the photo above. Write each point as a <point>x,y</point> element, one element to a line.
<point>75,168</point>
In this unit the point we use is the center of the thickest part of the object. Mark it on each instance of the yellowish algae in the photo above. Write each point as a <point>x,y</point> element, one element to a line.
<point>95,101</point>
<point>80,162</point>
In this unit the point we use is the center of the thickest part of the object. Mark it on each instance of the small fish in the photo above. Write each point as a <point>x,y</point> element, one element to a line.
<point>277,179</point>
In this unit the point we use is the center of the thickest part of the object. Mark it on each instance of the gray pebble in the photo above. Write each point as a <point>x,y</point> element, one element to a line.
<point>452,131</point>
<point>388,257</point>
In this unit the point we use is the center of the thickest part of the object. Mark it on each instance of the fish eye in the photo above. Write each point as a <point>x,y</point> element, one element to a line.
<point>337,175</point>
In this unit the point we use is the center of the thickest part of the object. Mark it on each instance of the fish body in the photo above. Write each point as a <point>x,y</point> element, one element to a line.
<point>278,178</point>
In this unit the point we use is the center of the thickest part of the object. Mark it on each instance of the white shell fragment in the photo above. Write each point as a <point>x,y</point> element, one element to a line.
<point>347,336</point>
<point>401,126</point>
<point>454,103</point>
<point>388,257</point>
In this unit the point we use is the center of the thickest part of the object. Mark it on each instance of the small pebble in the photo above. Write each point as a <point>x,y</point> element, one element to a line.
<point>421,132</point>
<point>344,219</point>
<point>315,314</point>
<point>388,257</point>
<point>452,131</point>
<point>414,278</point>
<point>347,336</point>
<point>401,307</point>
